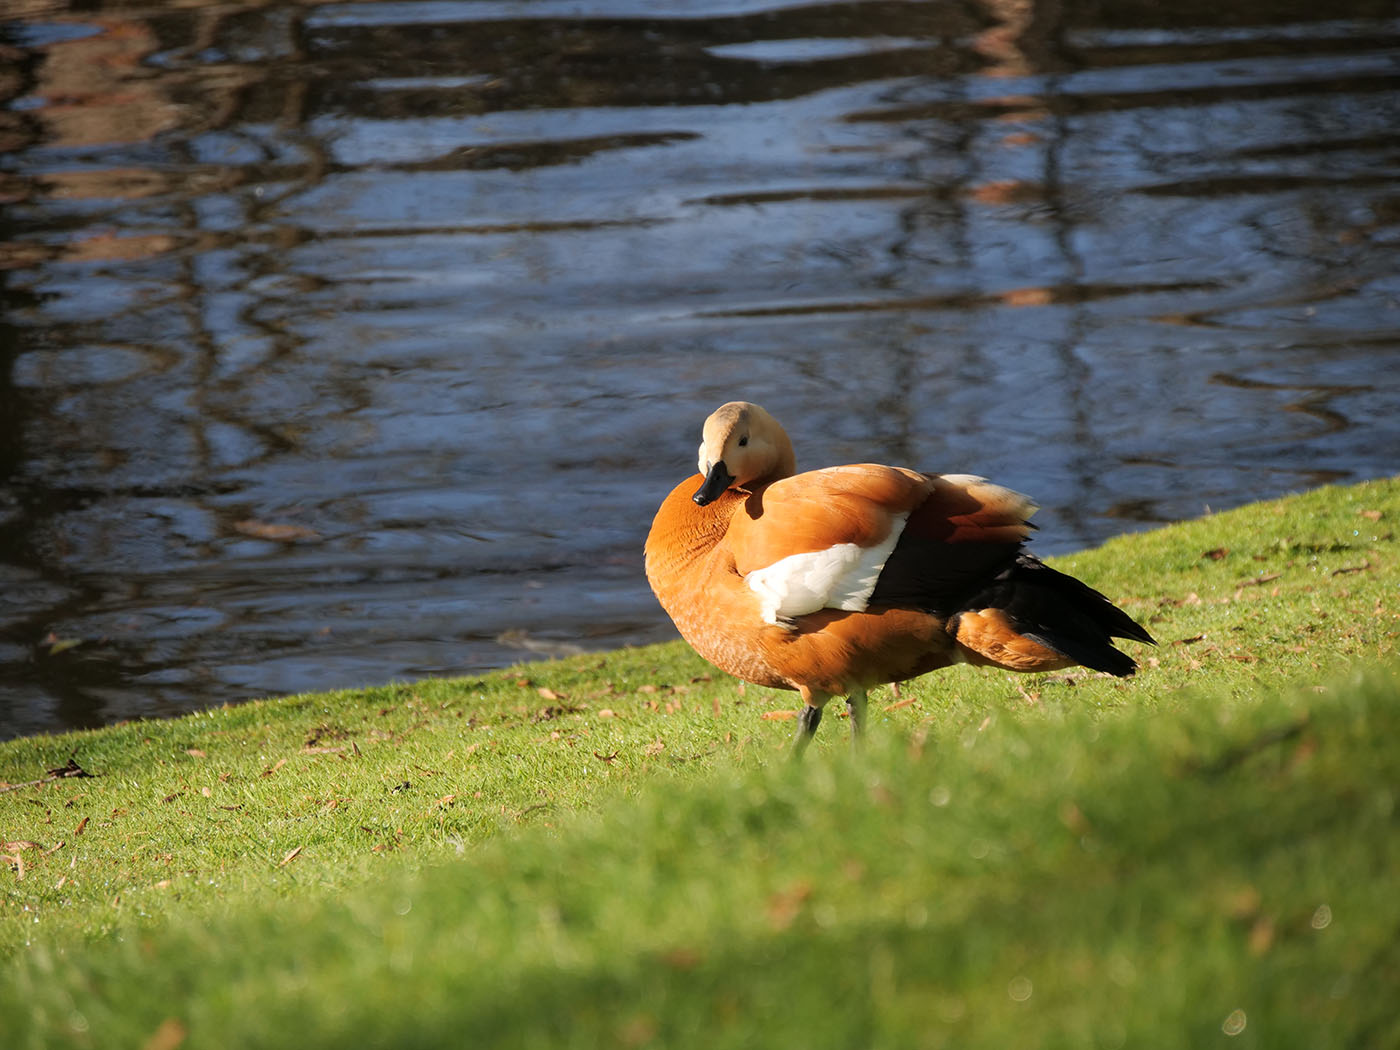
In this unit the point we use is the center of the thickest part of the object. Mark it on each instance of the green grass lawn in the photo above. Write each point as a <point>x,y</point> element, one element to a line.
<point>612,850</point>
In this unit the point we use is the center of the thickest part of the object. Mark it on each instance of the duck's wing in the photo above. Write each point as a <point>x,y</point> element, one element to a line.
<point>828,539</point>
<point>955,541</point>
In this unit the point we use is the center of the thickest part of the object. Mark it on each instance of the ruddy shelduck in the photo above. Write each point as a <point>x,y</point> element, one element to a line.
<point>833,581</point>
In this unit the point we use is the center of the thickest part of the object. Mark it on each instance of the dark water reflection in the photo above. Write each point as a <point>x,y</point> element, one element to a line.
<point>351,342</point>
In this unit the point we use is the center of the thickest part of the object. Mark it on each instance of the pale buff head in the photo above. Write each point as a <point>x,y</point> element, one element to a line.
<point>742,445</point>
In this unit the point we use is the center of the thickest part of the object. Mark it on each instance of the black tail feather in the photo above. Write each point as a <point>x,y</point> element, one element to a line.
<point>1099,657</point>
<point>1063,613</point>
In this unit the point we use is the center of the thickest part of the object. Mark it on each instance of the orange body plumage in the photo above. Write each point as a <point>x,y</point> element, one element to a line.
<point>832,581</point>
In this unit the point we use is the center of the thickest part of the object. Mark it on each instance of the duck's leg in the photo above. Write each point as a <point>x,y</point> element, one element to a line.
<point>808,719</point>
<point>855,701</point>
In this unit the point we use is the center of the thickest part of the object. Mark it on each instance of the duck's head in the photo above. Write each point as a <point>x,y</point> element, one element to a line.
<point>742,445</point>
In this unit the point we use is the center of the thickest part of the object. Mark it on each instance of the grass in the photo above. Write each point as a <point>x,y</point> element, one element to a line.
<point>609,850</point>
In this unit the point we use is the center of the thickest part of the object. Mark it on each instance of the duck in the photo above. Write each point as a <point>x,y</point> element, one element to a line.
<point>833,581</point>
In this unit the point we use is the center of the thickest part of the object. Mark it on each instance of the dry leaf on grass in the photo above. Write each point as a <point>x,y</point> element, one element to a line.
<point>682,958</point>
<point>168,1036</point>
<point>785,905</point>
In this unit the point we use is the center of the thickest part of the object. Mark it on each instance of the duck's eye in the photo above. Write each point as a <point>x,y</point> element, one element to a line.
<point>743,441</point>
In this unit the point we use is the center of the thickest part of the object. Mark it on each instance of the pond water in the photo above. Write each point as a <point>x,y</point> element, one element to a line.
<point>344,343</point>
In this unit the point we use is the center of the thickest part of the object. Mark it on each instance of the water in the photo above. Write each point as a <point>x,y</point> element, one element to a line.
<point>353,342</point>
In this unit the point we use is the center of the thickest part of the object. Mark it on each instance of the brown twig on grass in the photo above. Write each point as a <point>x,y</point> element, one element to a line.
<point>69,769</point>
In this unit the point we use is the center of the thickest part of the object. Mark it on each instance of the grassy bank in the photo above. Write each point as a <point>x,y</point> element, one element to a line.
<point>608,851</point>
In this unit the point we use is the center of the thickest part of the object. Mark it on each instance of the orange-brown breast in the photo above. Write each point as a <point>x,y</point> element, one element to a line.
<point>693,576</point>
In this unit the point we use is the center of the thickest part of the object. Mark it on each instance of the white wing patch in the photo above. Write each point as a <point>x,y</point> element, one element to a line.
<point>840,577</point>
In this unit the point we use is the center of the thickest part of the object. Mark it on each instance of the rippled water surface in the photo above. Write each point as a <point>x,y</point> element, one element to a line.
<point>352,342</point>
